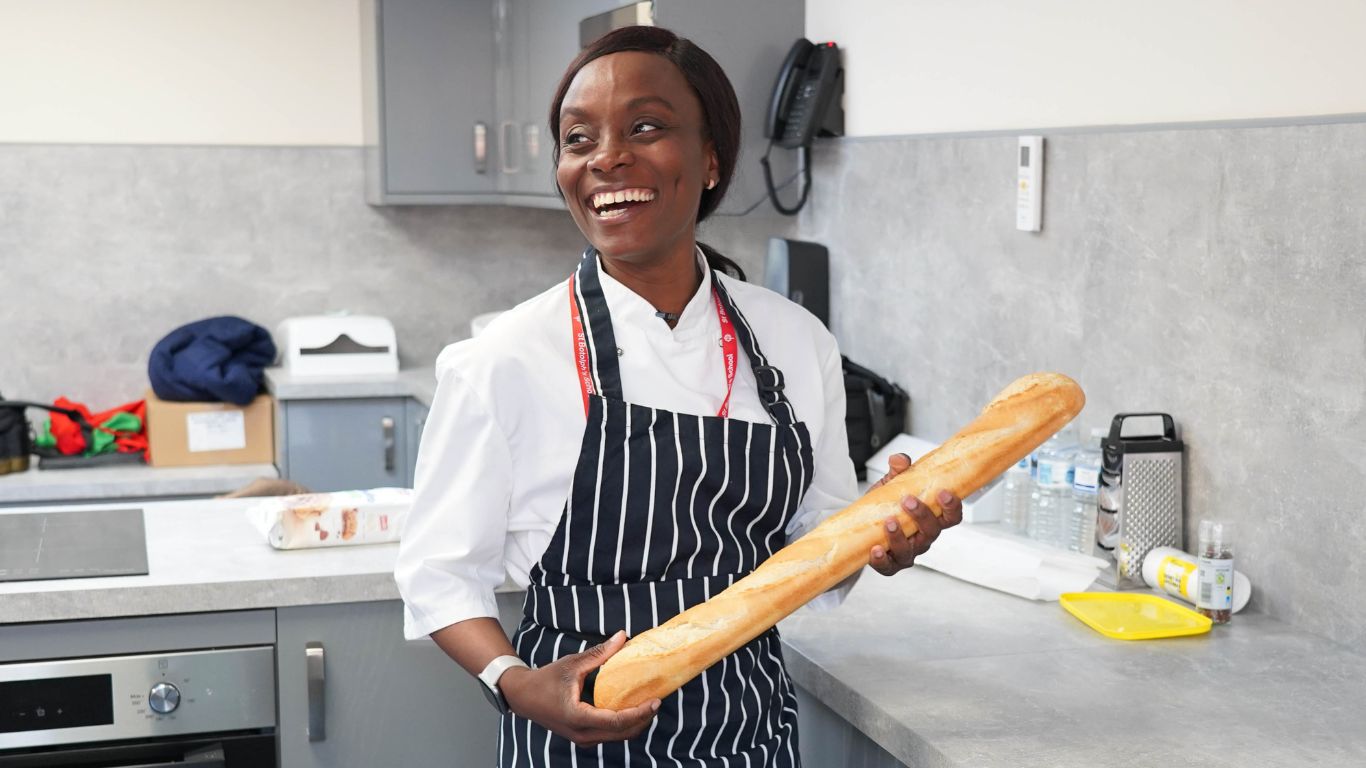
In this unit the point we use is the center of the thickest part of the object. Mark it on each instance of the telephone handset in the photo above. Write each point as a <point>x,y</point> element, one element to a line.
<point>805,104</point>
<point>800,110</point>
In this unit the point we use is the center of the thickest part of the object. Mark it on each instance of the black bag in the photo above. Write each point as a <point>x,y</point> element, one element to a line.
<point>875,412</point>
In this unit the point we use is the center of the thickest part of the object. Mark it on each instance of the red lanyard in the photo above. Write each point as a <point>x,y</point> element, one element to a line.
<point>729,349</point>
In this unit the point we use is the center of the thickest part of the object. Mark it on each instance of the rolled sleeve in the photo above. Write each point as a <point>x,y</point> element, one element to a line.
<point>833,483</point>
<point>451,559</point>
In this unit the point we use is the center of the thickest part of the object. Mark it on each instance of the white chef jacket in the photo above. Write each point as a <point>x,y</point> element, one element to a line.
<point>502,438</point>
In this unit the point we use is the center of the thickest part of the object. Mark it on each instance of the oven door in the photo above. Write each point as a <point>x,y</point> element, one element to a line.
<point>243,750</point>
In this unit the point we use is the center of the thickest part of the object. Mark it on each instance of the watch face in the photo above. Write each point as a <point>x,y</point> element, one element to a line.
<point>495,698</point>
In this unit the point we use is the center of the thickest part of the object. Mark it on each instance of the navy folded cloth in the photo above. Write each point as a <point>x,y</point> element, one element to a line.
<point>217,359</point>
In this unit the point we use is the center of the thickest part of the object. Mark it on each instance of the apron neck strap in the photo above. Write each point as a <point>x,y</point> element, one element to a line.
<point>595,345</point>
<point>595,351</point>
<point>769,379</point>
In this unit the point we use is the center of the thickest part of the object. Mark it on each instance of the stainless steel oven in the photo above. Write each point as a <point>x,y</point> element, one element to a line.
<point>207,709</point>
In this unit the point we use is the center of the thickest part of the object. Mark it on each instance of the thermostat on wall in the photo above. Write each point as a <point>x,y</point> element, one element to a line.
<point>1029,184</point>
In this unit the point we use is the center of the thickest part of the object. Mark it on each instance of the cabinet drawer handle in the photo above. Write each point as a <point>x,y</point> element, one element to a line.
<point>386,426</point>
<point>481,147</point>
<point>508,142</point>
<point>317,680</point>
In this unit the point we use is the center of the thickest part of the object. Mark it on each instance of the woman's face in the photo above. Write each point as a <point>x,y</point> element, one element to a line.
<point>633,157</point>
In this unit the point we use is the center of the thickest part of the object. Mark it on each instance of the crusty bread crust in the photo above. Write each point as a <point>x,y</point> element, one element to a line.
<point>658,662</point>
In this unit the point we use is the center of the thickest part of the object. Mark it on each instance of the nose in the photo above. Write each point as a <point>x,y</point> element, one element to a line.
<point>612,153</point>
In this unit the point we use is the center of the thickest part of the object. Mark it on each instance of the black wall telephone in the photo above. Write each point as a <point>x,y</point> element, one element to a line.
<point>806,103</point>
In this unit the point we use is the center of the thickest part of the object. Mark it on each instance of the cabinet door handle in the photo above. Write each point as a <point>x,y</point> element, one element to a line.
<point>508,141</point>
<point>386,426</point>
<point>317,682</point>
<point>481,147</point>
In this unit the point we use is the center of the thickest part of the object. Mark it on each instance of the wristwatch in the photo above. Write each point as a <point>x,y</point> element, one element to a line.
<point>489,680</point>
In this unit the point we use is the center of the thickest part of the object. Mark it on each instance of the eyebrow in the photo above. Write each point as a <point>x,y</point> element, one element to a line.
<point>635,103</point>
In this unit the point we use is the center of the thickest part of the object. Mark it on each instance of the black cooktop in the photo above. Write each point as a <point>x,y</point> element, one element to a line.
<point>72,545</point>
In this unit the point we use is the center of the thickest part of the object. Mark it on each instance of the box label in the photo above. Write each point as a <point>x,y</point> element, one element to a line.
<point>215,431</point>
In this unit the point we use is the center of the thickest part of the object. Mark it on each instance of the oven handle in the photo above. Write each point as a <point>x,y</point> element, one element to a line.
<point>207,757</point>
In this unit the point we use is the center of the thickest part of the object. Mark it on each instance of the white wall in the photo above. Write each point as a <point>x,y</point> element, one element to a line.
<point>275,72</point>
<point>925,66</point>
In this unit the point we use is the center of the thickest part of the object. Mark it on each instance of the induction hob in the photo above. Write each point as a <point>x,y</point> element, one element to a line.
<point>72,545</point>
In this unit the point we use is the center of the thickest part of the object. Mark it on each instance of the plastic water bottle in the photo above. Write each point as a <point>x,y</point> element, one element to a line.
<point>1052,498</point>
<point>1085,485</point>
<point>1019,484</point>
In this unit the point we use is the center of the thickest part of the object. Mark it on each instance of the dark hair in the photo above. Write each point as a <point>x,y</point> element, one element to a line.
<point>720,108</point>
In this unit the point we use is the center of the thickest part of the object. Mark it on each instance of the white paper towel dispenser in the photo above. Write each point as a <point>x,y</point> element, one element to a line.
<point>337,345</point>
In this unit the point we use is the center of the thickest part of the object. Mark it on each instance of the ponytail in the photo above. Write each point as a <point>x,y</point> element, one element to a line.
<point>720,263</point>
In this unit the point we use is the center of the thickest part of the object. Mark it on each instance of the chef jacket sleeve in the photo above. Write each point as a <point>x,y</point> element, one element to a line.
<point>833,483</point>
<point>450,558</point>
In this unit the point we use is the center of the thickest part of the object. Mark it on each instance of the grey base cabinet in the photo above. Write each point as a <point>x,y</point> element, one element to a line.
<point>383,701</point>
<point>826,739</point>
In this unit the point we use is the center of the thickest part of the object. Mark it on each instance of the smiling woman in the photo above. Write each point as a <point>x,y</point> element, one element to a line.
<point>647,125</point>
<point>632,441</point>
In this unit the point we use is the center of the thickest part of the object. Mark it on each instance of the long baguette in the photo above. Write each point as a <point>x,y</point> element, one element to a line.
<point>658,662</point>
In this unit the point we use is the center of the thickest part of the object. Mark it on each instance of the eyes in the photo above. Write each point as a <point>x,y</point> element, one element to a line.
<point>576,137</point>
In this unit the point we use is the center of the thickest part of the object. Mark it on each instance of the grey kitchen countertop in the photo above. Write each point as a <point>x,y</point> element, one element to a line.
<point>419,383</point>
<point>126,481</point>
<point>936,671</point>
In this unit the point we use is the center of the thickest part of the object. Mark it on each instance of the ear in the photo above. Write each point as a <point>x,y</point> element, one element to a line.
<point>713,166</point>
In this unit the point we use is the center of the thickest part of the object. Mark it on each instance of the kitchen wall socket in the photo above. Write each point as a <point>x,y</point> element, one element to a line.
<point>1029,184</point>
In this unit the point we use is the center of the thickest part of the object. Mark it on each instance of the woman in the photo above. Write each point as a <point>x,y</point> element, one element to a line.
<point>631,441</point>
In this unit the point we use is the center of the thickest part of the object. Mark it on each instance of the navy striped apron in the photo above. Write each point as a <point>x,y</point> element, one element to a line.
<point>665,510</point>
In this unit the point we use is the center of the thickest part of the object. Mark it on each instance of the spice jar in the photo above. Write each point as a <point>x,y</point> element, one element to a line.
<point>1214,571</point>
<point>1174,572</point>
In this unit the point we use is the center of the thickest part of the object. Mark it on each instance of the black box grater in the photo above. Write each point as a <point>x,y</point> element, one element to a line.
<point>1139,503</point>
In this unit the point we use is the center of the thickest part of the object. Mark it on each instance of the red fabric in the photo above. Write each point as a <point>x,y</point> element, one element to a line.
<point>68,434</point>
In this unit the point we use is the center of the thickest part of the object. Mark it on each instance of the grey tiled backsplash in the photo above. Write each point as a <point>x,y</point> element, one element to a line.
<point>1216,274</point>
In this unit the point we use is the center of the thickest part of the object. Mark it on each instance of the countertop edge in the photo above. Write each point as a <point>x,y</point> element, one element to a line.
<point>418,383</point>
<point>121,602</point>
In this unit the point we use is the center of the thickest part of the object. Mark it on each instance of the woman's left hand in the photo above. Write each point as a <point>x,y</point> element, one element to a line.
<point>902,550</point>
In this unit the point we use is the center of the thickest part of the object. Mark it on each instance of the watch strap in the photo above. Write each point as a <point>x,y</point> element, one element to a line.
<point>492,673</point>
<point>495,669</point>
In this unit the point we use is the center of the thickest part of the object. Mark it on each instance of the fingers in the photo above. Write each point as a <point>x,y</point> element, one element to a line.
<point>898,553</point>
<point>896,464</point>
<point>587,725</point>
<point>598,655</point>
<point>902,549</point>
<point>591,726</point>
<point>951,509</point>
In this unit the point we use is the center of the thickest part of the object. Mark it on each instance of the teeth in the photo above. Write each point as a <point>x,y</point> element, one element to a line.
<point>633,195</point>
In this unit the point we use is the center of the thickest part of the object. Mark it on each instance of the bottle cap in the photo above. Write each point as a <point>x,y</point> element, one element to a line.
<point>1215,533</point>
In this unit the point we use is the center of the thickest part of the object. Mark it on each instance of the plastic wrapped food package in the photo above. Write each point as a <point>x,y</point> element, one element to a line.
<point>341,518</point>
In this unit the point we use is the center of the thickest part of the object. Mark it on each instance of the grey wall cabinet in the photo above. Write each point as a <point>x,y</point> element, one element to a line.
<point>429,106</point>
<point>346,444</point>
<point>749,40</point>
<point>441,74</point>
<point>382,700</point>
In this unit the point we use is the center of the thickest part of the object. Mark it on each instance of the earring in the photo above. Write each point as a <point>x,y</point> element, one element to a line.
<point>711,183</point>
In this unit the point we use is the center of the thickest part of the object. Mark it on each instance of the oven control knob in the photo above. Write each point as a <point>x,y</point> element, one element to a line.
<point>164,698</point>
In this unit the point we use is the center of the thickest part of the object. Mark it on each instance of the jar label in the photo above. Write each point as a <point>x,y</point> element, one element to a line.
<point>1176,576</point>
<point>1216,584</point>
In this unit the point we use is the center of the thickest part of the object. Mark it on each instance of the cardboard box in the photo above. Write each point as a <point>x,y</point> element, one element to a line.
<point>194,434</point>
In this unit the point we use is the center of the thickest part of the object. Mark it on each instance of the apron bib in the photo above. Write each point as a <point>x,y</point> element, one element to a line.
<point>665,510</point>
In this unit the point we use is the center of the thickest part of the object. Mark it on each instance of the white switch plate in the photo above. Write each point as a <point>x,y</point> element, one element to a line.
<point>1029,184</point>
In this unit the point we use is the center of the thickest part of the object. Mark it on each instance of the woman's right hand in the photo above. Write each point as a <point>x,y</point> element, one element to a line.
<point>549,696</point>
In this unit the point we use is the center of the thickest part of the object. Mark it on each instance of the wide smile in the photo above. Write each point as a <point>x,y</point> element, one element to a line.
<point>612,205</point>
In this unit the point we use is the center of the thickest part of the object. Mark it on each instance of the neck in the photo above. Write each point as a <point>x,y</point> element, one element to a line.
<point>667,282</point>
